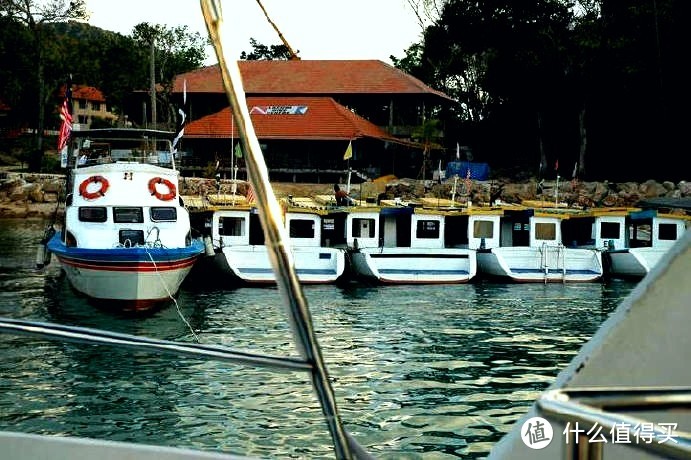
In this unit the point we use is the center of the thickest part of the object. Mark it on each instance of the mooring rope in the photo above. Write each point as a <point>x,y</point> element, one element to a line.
<point>177,306</point>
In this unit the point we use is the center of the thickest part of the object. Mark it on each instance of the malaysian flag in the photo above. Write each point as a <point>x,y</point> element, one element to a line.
<point>66,116</point>
<point>249,194</point>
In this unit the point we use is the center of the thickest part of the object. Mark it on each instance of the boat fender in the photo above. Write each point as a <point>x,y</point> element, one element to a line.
<point>209,246</point>
<point>42,252</point>
<point>172,192</point>
<point>42,256</point>
<point>96,193</point>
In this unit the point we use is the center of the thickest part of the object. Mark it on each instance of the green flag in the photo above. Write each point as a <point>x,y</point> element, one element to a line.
<point>238,150</point>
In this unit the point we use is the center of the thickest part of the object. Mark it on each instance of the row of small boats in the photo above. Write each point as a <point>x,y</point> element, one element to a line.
<point>129,238</point>
<point>437,241</point>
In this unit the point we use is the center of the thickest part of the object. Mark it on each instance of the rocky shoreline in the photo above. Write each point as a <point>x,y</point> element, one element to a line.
<point>24,195</point>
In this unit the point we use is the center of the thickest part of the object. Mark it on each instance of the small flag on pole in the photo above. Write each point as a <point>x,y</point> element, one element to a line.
<point>556,165</point>
<point>468,181</point>
<point>66,116</point>
<point>250,193</point>
<point>183,116</point>
<point>238,150</point>
<point>458,151</point>
<point>349,151</point>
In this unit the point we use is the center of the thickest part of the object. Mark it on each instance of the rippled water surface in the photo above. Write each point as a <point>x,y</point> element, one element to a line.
<point>418,371</point>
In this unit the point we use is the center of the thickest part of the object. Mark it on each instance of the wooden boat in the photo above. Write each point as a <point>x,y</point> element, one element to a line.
<point>525,244</point>
<point>235,231</point>
<point>126,237</point>
<point>410,243</point>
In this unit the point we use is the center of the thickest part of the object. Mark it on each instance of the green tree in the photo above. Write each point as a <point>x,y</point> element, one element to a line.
<point>261,52</point>
<point>37,15</point>
<point>172,50</point>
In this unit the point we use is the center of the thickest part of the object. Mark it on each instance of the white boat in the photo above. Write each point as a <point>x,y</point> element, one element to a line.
<point>238,238</point>
<point>646,236</point>
<point>310,360</point>
<point>397,244</point>
<point>626,395</point>
<point>524,244</point>
<point>633,240</point>
<point>126,238</point>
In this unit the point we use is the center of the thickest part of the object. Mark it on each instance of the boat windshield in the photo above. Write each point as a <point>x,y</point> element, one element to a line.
<point>112,146</point>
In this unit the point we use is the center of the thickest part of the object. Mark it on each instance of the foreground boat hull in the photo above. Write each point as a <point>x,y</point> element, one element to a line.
<point>414,266</point>
<point>537,265</point>
<point>135,279</point>
<point>251,264</point>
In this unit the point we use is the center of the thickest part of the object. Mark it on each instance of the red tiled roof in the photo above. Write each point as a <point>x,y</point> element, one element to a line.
<point>324,119</point>
<point>309,77</point>
<point>88,92</point>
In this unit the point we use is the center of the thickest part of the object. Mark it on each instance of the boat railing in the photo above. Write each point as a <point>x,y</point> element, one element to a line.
<point>591,408</point>
<point>553,258</point>
<point>76,334</point>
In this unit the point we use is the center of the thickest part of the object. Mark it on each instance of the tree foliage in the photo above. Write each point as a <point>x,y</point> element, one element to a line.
<point>261,52</point>
<point>42,43</point>
<point>558,80</point>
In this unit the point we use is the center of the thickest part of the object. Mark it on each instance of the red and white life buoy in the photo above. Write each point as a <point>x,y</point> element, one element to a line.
<point>101,191</point>
<point>162,196</point>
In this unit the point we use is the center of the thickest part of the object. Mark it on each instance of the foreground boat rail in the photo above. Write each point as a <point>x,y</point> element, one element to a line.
<point>91,336</point>
<point>593,407</point>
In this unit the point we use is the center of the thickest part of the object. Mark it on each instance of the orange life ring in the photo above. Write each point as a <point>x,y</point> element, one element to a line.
<point>96,193</point>
<point>162,196</point>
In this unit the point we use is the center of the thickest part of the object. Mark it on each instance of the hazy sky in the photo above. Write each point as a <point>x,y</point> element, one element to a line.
<point>317,29</point>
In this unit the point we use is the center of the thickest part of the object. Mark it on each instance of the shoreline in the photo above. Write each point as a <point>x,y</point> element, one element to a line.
<point>36,196</point>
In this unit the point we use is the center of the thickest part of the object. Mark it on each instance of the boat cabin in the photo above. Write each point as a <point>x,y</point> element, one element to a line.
<point>406,227</point>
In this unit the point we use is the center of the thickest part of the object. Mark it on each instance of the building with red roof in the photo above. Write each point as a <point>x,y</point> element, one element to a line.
<point>306,112</point>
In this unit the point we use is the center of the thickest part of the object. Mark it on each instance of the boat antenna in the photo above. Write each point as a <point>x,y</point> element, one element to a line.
<point>275,234</point>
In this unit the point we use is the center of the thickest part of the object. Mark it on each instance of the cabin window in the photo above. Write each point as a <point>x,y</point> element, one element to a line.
<point>363,228</point>
<point>545,231</point>
<point>609,230</point>
<point>231,226</point>
<point>640,235</point>
<point>427,229</point>
<point>92,214</point>
<point>483,229</point>
<point>161,214</point>
<point>129,238</point>
<point>668,232</point>
<point>128,215</point>
<point>300,228</point>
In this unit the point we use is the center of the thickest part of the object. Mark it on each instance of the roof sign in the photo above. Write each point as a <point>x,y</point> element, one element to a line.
<point>279,110</point>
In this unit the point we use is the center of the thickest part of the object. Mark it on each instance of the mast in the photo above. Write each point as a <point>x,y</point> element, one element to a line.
<point>293,54</point>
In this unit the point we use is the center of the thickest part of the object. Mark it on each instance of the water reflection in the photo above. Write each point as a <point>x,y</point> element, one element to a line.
<point>433,371</point>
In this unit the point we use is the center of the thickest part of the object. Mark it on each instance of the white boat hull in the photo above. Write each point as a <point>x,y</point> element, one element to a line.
<point>414,266</point>
<point>634,262</point>
<point>314,265</point>
<point>139,288</point>
<point>528,264</point>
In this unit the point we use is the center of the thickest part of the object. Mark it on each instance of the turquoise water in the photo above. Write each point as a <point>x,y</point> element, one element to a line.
<point>418,371</point>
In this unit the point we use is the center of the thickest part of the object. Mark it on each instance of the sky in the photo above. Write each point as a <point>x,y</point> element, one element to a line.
<point>316,29</point>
